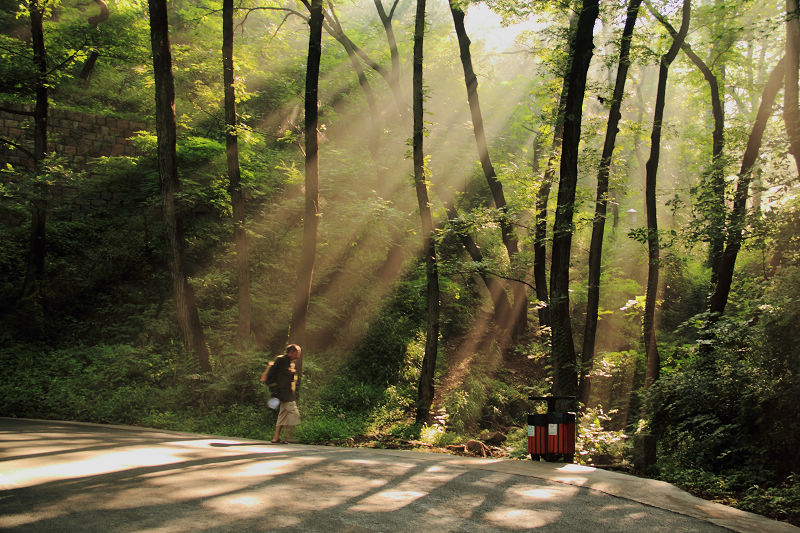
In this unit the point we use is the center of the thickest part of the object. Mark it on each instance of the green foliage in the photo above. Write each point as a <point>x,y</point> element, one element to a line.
<point>248,421</point>
<point>327,427</point>
<point>781,502</point>
<point>745,489</point>
<point>685,291</point>
<point>733,405</point>
<point>596,443</point>
<point>383,351</point>
<point>437,435</point>
<point>465,404</point>
<point>506,404</point>
<point>112,384</point>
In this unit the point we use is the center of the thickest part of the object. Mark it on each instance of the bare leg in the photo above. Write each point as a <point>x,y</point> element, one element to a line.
<point>277,436</point>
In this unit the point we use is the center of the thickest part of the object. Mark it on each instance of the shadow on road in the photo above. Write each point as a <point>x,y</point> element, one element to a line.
<point>63,477</point>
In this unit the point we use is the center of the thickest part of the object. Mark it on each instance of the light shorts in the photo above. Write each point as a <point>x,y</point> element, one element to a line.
<point>288,415</point>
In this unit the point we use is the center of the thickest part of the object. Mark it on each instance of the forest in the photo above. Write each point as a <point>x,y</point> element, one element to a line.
<point>451,207</point>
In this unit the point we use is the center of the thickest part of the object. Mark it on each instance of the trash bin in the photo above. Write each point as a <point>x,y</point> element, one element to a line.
<point>551,436</point>
<point>537,436</point>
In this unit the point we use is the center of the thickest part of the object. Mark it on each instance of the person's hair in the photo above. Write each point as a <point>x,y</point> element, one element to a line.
<point>293,348</point>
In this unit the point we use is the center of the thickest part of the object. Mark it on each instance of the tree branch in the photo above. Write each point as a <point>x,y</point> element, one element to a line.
<point>17,146</point>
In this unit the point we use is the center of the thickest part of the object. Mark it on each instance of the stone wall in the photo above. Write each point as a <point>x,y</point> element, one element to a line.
<point>79,137</point>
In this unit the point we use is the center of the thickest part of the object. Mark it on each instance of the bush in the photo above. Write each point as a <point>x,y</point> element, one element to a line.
<point>596,443</point>
<point>743,489</point>
<point>328,427</point>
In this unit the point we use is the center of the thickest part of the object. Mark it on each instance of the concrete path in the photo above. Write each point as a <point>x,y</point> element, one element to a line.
<point>63,476</point>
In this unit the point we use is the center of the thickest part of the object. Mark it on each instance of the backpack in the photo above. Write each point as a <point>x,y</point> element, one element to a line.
<point>271,380</point>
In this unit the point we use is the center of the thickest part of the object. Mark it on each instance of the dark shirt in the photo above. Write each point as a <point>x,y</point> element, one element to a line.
<point>285,378</point>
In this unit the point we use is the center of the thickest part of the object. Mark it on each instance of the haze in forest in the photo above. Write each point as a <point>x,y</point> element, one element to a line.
<point>452,207</point>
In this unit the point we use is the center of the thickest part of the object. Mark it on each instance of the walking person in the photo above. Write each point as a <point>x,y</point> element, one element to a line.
<point>283,370</point>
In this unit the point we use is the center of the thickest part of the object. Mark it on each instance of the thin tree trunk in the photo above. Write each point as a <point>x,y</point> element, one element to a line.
<point>565,365</point>
<point>91,61</point>
<point>188,319</point>
<point>717,173</point>
<point>497,290</point>
<point>34,275</point>
<point>297,330</point>
<point>520,305</point>
<point>653,263</point>
<point>425,389</point>
<point>234,177</point>
<point>601,203</point>
<point>386,20</point>
<point>392,77</point>
<point>540,230</point>
<point>791,107</point>
<point>719,298</point>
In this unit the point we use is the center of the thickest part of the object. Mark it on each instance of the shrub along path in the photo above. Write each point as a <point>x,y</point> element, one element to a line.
<point>66,476</point>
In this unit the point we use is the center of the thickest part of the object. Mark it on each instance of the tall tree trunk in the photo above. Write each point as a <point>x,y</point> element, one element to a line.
<point>297,330</point>
<point>565,365</point>
<point>520,302</point>
<point>34,274</point>
<point>601,203</point>
<point>425,389</point>
<point>717,172</point>
<point>653,263</point>
<point>542,199</point>
<point>719,297</point>
<point>791,107</point>
<point>234,177</point>
<point>188,318</point>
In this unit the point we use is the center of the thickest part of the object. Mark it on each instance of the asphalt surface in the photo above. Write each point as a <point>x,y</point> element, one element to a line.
<point>72,477</point>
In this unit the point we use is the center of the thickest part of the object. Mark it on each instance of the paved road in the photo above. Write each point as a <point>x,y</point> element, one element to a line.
<point>63,476</point>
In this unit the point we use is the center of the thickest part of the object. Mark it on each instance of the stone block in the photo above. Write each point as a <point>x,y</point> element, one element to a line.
<point>644,451</point>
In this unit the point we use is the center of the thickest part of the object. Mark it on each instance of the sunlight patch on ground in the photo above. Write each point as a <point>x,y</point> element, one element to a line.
<point>406,492</point>
<point>267,468</point>
<point>247,504</point>
<point>388,500</point>
<point>522,518</point>
<point>27,472</point>
<point>570,467</point>
<point>539,494</point>
<point>572,480</point>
